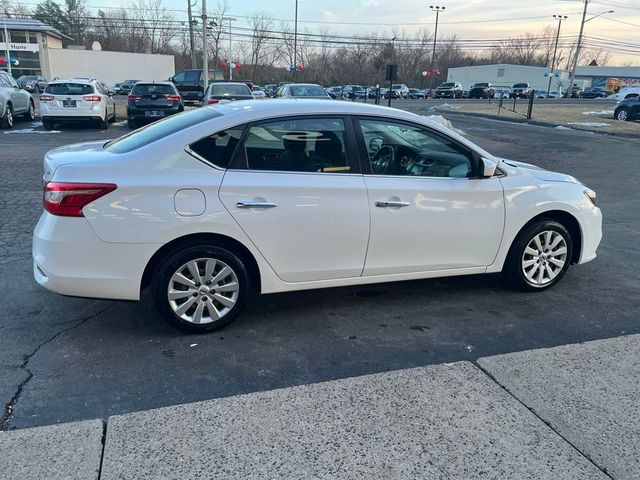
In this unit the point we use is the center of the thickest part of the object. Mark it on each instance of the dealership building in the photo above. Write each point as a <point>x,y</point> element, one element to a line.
<point>33,48</point>
<point>505,75</point>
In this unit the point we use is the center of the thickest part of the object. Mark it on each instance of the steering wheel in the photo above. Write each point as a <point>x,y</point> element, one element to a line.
<point>381,160</point>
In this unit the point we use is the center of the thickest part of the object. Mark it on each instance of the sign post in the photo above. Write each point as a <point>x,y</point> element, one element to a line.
<point>391,75</point>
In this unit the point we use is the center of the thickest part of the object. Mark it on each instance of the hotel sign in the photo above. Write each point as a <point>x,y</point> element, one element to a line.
<point>19,47</point>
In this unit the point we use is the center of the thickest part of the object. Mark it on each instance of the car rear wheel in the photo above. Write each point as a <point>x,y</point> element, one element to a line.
<point>31,112</point>
<point>539,256</point>
<point>623,114</point>
<point>132,124</point>
<point>104,122</point>
<point>200,288</point>
<point>7,119</point>
<point>47,124</point>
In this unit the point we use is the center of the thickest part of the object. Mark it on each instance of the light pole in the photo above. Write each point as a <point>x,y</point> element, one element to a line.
<point>579,44</point>
<point>559,18</point>
<point>7,44</point>
<point>295,44</point>
<point>192,43</point>
<point>393,49</point>
<point>205,53</point>
<point>437,9</point>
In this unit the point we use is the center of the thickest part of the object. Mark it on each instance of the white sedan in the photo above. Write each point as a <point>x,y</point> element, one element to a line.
<point>209,204</point>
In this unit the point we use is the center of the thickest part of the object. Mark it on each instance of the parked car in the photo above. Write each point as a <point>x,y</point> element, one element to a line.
<point>397,90</point>
<point>629,92</point>
<point>465,94</point>
<point>208,205</point>
<point>32,83</point>
<point>126,86</point>
<point>448,90</point>
<point>190,84</point>
<point>520,90</point>
<point>628,109</point>
<point>501,92</point>
<point>14,101</point>
<point>151,101</point>
<point>574,92</point>
<point>552,94</point>
<point>596,92</point>
<point>415,93</point>
<point>302,90</point>
<point>271,90</point>
<point>258,92</point>
<point>481,90</point>
<point>336,92</point>
<point>116,88</point>
<point>227,91</point>
<point>77,100</point>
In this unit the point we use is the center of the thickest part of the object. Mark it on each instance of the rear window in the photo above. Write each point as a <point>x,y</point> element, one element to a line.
<point>222,89</point>
<point>481,85</point>
<point>156,131</point>
<point>153,89</point>
<point>310,91</point>
<point>521,85</point>
<point>68,89</point>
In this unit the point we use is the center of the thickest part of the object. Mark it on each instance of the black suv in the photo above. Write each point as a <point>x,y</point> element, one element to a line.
<point>190,83</point>
<point>628,109</point>
<point>449,90</point>
<point>481,90</point>
<point>150,101</point>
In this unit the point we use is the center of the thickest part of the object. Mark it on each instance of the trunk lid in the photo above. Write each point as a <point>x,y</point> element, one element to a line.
<point>76,153</point>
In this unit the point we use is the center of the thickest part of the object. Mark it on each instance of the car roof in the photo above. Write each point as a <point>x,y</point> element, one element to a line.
<point>74,80</point>
<point>153,82</point>
<point>223,82</point>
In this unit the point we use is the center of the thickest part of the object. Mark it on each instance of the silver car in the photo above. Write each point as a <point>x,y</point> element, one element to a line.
<point>14,101</point>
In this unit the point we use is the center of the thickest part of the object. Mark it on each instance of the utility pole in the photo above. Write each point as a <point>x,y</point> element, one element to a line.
<point>437,9</point>
<point>393,49</point>
<point>192,43</point>
<point>7,42</point>
<point>295,43</point>
<point>205,52</point>
<point>559,18</point>
<point>230,19</point>
<point>579,44</point>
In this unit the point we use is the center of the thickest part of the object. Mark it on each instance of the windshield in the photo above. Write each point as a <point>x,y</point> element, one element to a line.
<point>521,85</point>
<point>222,89</point>
<point>481,85</point>
<point>27,77</point>
<point>448,84</point>
<point>163,128</point>
<point>152,89</point>
<point>307,91</point>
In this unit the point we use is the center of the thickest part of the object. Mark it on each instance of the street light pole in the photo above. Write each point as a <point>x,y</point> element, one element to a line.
<point>229,19</point>
<point>559,18</point>
<point>295,43</point>
<point>437,9</point>
<point>205,53</point>
<point>192,43</point>
<point>393,49</point>
<point>7,44</point>
<point>579,44</point>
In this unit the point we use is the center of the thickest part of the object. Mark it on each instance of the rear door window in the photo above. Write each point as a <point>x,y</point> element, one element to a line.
<point>219,147</point>
<point>69,89</point>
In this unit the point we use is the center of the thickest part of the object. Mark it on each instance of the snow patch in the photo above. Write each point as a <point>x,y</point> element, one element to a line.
<point>32,130</point>
<point>562,127</point>
<point>445,105</point>
<point>445,123</point>
<point>603,112</point>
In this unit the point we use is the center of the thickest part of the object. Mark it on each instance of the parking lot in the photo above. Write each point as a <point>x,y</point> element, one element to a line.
<point>65,359</point>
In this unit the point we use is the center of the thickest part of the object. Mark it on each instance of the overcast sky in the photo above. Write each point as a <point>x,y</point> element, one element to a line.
<point>491,18</point>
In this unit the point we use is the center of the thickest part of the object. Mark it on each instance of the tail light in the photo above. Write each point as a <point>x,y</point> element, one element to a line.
<point>92,98</point>
<point>68,199</point>
<point>134,98</point>
<point>47,98</point>
<point>173,98</point>
<point>213,101</point>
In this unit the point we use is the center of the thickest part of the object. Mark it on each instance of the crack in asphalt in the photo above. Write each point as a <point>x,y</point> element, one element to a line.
<point>9,408</point>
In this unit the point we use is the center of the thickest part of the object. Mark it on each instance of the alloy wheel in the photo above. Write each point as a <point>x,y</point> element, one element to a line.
<point>622,115</point>
<point>9,117</point>
<point>203,290</point>
<point>544,257</point>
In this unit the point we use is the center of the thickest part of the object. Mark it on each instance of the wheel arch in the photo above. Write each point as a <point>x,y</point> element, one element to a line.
<point>566,219</point>
<point>208,238</point>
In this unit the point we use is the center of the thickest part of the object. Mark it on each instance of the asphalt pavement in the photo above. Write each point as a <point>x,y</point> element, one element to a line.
<point>65,359</point>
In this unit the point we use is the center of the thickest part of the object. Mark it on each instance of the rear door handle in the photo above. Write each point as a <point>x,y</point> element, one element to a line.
<point>391,204</point>
<point>255,205</point>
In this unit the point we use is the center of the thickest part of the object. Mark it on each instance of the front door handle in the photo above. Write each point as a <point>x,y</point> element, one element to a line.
<point>255,205</point>
<point>392,204</point>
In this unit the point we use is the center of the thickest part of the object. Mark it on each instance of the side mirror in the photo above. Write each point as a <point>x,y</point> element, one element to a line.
<point>375,144</point>
<point>487,168</point>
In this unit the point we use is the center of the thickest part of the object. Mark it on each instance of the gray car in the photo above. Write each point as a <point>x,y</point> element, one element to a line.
<point>33,83</point>
<point>302,90</point>
<point>14,101</point>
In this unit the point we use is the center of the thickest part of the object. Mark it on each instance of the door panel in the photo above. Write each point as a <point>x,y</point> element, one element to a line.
<point>448,223</point>
<point>318,229</point>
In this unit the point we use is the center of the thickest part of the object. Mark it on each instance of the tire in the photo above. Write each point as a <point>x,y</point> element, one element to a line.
<point>182,262</point>
<point>527,258</point>
<point>623,114</point>
<point>112,119</point>
<point>47,124</point>
<point>132,124</point>
<point>31,112</point>
<point>7,119</point>
<point>104,122</point>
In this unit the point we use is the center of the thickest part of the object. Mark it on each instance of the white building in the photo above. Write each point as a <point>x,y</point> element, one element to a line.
<point>506,75</point>
<point>33,48</point>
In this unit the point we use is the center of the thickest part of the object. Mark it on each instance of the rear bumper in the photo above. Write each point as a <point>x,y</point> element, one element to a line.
<point>70,259</point>
<point>141,114</point>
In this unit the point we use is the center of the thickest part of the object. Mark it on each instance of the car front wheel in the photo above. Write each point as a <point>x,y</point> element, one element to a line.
<point>200,288</point>
<point>539,256</point>
<point>623,115</point>
<point>7,119</point>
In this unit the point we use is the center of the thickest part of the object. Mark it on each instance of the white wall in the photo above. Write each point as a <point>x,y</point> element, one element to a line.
<point>109,67</point>
<point>510,74</point>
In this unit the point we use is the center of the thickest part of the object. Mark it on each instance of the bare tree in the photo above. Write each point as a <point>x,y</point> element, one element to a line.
<point>261,25</point>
